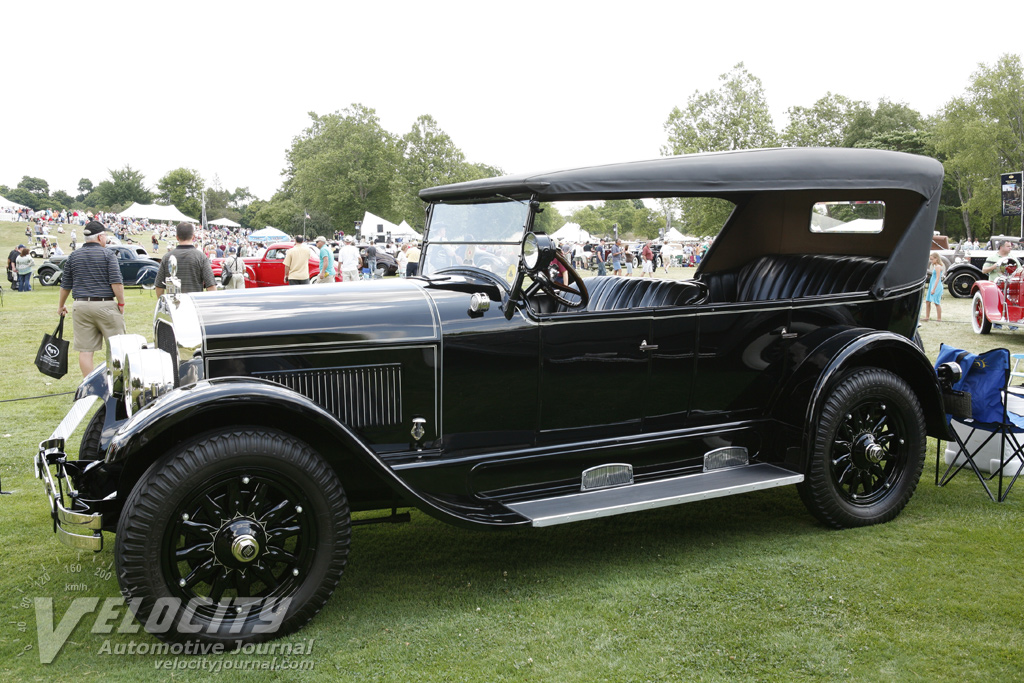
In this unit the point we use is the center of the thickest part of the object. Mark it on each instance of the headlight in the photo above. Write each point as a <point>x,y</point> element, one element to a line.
<point>118,347</point>
<point>148,374</point>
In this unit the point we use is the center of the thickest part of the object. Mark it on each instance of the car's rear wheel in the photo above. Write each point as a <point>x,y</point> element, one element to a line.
<point>868,451</point>
<point>979,321</point>
<point>960,286</point>
<point>237,535</point>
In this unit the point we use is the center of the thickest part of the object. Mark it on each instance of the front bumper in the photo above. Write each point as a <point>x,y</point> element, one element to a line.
<point>67,524</point>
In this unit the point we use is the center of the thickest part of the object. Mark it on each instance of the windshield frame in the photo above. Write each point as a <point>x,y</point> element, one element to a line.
<point>451,250</point>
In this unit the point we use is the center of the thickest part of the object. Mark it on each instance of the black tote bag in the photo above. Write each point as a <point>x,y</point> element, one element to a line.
<point>52,358</point>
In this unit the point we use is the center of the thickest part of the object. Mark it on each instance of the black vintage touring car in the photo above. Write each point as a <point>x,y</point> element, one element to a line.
<point>226,455</point>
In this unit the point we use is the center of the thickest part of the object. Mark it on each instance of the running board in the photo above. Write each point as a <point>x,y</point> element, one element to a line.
<point>654,494</point>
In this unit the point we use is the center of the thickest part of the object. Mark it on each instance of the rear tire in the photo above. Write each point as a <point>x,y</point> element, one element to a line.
<point>868,451</point>
<point>979,321</point>
<point>960,286</point>
<point>234,531</point>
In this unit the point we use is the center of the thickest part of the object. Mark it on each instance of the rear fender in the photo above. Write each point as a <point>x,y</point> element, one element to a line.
<point>801,401</point>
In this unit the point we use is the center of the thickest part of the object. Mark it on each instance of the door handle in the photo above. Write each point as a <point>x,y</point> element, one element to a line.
<point>644,346</point>
<point>784,333</point>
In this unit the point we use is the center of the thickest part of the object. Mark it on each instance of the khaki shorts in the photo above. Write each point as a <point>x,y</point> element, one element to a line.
<point>94,321</point>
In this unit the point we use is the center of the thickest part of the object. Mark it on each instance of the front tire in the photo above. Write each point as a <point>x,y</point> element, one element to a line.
<point>90,448</point>
<point>960,286</point>
<point>868,451</point>
<point>48,277</point>
<point>979,321</point>
<point>244,533</point>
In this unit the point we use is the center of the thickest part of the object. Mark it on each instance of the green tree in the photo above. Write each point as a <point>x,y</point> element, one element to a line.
<point>981,135</point>
<point>343,165</point>
<point>20,195</point>
<point>84,188</point>
<point>281,212</point>
<point>824,124</point>
<point>734,116</point>
<point>36,186</point>
<point>183,188</point>
<point>428,158</point>
<point>886,119</point>
<point>126,185</point>
<point>62,198</point>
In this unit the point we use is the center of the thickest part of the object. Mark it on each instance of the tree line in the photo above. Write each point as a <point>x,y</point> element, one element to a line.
<point>346,163</point>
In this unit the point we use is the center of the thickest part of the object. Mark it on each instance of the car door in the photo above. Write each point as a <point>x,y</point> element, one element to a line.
<point>595,374</point>
<point>740,360</point>
<point>271,270</point>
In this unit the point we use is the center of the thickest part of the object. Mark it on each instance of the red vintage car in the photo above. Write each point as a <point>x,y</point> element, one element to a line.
<point>998,303</point>
<point>266,268</point>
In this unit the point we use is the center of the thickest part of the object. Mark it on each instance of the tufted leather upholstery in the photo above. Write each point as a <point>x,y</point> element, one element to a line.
<point>615,293</point>
<point>793,276</point>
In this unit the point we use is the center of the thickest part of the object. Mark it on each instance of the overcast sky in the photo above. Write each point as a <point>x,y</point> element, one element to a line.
<point>223,87</point>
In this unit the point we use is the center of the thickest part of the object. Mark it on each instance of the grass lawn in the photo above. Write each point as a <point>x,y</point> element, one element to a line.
<point>741,588</point>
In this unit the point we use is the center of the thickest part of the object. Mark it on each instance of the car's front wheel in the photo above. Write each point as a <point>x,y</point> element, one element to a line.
<point>49,276</point>
<point>868,451</point>
<point>960,286</point>
<point>979,321</point>
<point>237,535</point>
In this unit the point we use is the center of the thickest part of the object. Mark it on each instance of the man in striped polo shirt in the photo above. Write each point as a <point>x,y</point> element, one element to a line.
<point>92,276</point>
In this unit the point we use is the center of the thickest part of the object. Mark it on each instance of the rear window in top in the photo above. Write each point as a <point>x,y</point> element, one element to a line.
<point>848,217</point>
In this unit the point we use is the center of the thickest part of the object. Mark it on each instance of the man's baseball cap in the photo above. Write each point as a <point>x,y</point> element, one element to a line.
<point>348,238</point>
<point>320,239</point>
<point>94,228</point>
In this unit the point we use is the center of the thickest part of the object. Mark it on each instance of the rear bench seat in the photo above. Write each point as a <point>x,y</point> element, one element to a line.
<point>793,276</point>
<point>771,277</point>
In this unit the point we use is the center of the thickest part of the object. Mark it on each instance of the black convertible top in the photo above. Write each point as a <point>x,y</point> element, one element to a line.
<point>715,174</point>
<point>773,190</point>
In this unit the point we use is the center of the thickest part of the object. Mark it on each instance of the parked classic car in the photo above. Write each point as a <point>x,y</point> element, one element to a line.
<point>966,268</point>
<point>136,270</point>
<point>266,268</point>
<point>998,304</point>
<point>227,456</point>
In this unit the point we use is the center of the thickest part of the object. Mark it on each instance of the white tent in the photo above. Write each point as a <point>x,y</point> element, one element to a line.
<point>8,204</point>
<point>373,227</point>
<point>269,234</point>
<point>673,235</point>
<point>406,231</point>
<point>571,232</point>
<point>156,212</point>
<point>225,223</point>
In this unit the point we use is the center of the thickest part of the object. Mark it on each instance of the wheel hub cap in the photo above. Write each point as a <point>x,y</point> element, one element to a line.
<point>239,543</point>
<point>245,548</point>
<point>867,451</point>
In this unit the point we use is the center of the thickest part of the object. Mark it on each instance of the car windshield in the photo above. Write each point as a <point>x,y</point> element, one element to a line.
<point>486,236</point>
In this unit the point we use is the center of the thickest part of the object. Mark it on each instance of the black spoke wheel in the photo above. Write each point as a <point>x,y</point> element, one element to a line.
<point>960,286</point>
<point>868,451</point>
<point>229,529</point>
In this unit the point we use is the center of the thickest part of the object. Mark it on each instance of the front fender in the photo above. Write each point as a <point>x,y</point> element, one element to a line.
<point>965,267</point>
<point>178,415</point>
<point>992,296</point>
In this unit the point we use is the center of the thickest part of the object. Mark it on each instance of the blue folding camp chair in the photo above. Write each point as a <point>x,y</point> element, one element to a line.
<point>976,395</point>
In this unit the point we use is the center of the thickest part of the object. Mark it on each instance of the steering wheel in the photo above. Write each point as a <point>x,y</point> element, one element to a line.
<point>1008,265</point>
<point>556,289</point>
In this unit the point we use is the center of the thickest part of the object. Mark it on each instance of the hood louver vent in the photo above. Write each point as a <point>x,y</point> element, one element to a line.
<point>360,396</point>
